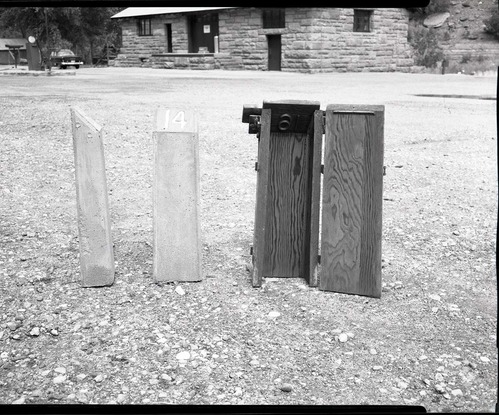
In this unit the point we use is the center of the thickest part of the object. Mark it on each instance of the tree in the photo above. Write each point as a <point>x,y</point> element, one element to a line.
<point>492,23</point>
<point>80,28</point>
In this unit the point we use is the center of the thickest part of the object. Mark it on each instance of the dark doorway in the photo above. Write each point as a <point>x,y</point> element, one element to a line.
<point>169,41</point>
<point>274,46</point>
<point>203,29</point>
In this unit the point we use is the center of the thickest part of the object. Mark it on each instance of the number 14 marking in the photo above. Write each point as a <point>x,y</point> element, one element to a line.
<point>178,121</point>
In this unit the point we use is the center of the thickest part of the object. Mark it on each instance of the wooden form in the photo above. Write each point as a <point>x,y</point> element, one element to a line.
<point>94,226</point>
<point>352,200</point>
<point>281,245</point>
<point>177,236</point>
<point>288,202</point>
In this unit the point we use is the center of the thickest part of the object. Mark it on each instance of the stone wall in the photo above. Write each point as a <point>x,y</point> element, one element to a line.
<point>339,48</point>
<point>138,50</point>
<point>314,40</point>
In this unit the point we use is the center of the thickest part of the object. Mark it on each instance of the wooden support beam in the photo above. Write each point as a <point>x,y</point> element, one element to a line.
<point>94,226</point>
<point>262,183</point>
<point>352,200</point>
<point>315,197</point>
<point>177,234</point>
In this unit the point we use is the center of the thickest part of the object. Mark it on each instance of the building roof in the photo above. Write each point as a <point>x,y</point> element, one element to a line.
<point>149,11</point>
<point>16,41</point>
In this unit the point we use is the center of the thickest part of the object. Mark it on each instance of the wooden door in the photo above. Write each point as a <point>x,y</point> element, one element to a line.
<point>203,29</point>
<point>274,52</point>
<point>352,200</point>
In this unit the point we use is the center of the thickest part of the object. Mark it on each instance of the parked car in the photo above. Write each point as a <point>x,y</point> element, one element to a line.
<point>65,58</point>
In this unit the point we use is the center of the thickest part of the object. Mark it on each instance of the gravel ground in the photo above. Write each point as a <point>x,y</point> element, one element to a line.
<point>430,340</point>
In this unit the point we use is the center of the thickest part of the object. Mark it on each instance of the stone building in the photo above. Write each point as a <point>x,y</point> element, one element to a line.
<point>287,39</point>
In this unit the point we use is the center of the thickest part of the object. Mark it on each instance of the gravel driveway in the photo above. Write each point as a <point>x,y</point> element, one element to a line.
<point>430,340</point>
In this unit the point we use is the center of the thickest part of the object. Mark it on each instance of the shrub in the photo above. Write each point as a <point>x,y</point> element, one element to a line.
<point>427,51</point>
<point>466,58</point>
<point>492,23</point>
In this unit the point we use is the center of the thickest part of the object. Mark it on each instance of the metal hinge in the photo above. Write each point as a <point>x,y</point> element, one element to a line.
<point>322,168</point>
<point>256,166</point>
<point>251,250</point>
<point>318,259</point>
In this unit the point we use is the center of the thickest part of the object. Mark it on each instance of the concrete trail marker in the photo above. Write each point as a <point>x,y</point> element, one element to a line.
<point>94,226</point>
<point>177,236</point>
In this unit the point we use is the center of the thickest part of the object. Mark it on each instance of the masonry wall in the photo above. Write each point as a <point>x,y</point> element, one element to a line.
<point>338,48</point>
<point>138,50</point>
<point>314,40</point>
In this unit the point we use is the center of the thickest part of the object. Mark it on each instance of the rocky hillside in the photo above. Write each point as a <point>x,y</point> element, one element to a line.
<point>462,36</point>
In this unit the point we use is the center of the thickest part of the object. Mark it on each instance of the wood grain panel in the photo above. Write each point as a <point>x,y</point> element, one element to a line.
<point>352,198</point>
<point>287,207</point>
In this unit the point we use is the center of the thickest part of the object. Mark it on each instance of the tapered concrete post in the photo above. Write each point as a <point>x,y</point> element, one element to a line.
<point>94,226</point>
<point>177,239</point>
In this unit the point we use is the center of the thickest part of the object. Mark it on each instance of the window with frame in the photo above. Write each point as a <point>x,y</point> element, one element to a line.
<point>273,18</point>
<point>144,26</point>
<point>362,20</point>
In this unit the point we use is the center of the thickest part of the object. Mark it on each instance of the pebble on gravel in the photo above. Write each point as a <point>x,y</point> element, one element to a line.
<point>36,393</point>
<point>35,332</point>
<point>99,378</point>
<point>274,314</point>
<point>343,337</point>
<point>82,397</point>
<point>121,398</point>
<point>59,379</point>
<point>286,387</point>
<point>12,326</point>
<point>179,290</point>
<point>183,356</point>
<point>61,370</point>
<point>377,368</point>
<point>19,401</point>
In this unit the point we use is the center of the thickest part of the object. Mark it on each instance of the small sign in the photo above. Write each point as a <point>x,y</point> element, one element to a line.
<point>206,28</point>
